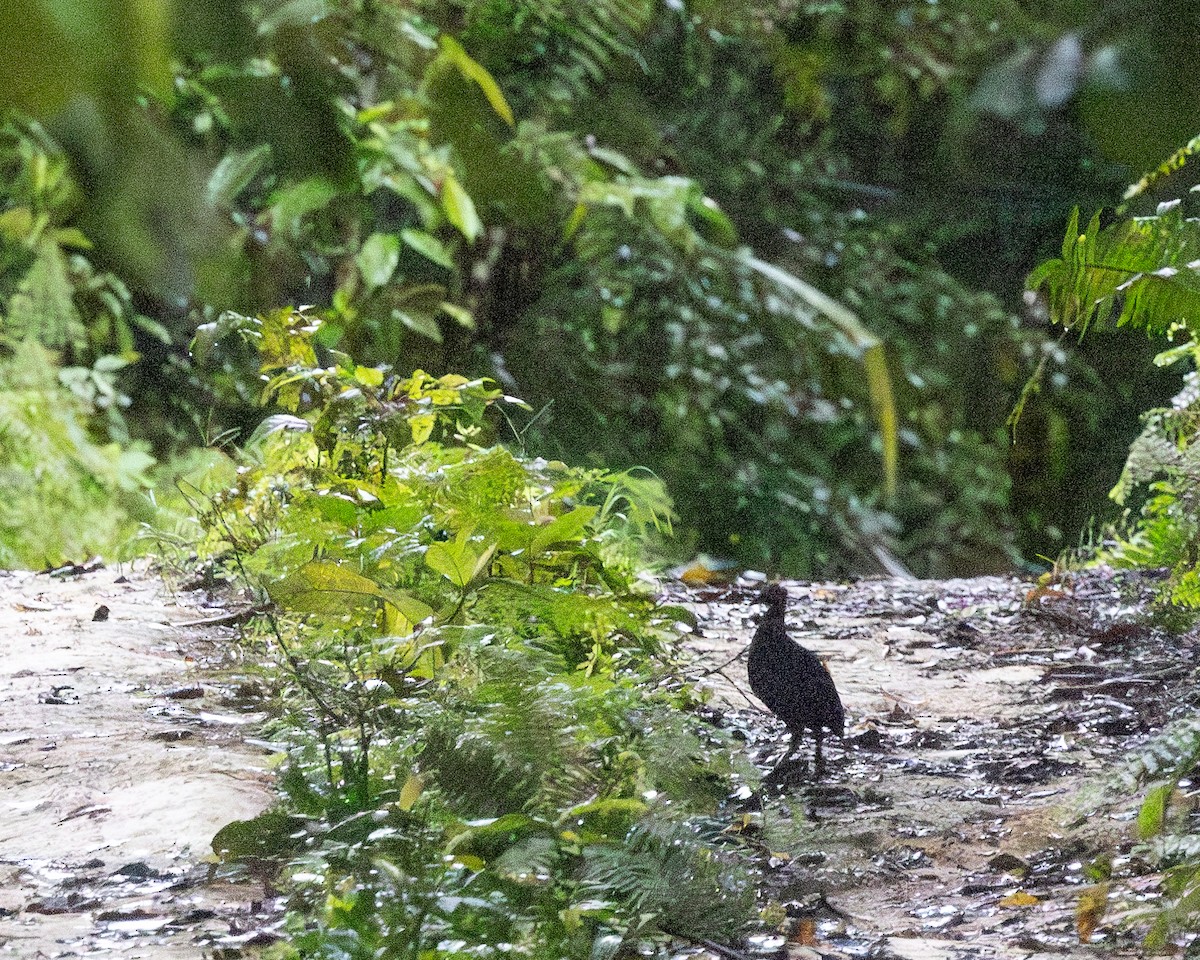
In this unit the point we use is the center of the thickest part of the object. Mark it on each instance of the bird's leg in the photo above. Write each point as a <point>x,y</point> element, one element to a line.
<point>818,759</point>
<point>793,746</point>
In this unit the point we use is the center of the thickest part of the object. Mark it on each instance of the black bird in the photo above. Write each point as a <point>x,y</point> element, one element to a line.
<point>790,680</point>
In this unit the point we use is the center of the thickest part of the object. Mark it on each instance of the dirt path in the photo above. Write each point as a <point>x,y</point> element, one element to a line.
<point>121,755</point>
<point>949,825</point>
<point>952,824</point>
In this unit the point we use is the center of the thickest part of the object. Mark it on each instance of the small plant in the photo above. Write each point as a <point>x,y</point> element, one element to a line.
<point>70,492</point>
<point>1142,272</point>
<point>485,747</point>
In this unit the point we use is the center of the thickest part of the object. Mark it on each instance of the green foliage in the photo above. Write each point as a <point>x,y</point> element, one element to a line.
<point>49,290</point>
<point>69,495</point>
<point>1169,841</point>
<point>1140,272</point>
<point>486,749</point>
<point>474,185</point>
<point>811,127</point>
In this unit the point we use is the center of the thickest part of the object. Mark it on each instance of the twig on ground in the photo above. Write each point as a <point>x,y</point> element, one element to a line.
<point>225,619</point>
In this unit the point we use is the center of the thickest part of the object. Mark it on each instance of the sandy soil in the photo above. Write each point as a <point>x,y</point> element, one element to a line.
<point>120,757</point>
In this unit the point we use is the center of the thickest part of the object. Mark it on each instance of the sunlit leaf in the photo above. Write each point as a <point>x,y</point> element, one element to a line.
<point>377,259</point>
<point>321,586</point>
<point>413,610</point>
<point>459,561</point>
<point>428,246</point>
<point>422,426</point>
<point>1153,811</point>
<point>460,208</point>
<point>411,791</point>
<point>474,71</point>
<point>568,527</point>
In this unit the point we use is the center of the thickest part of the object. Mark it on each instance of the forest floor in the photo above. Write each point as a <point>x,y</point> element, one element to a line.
<point>956,820</point>
<point>988,724</point>
<point>122,751</point>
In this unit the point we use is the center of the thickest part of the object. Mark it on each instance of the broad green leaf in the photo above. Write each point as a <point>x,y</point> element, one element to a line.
<point>428,246</point>
<point>321,586</point>
<point>377,259</point>
<point>1153,812</point>
<point>409,607</point>
<point>369,376</point>
<point>474,71</point>
<point>612,817</point>
<point>269,835</point>
<point>569,527</point>
<point>459,561</point>
<point>460,208</point>
<point>400,518</point>
<point>234,173</point>
<point>422,426</point>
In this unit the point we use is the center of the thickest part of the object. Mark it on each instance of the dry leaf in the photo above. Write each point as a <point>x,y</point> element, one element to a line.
<point>1019,899</point>
<point>805,933</point>
<point>1090,911</point>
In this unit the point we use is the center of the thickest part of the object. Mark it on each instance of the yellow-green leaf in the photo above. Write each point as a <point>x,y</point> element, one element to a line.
<point>422,426</point>
<point>1019,899</point>
<point>322,586</point>
<point>409,607</point>
<point>475,71</point>
<point>460,208</point>
<point>1154,810</point>
<point>411,791</point>
<point>459,561</point>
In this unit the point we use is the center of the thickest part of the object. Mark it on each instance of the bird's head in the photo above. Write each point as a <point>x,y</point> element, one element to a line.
<point>775,597</point>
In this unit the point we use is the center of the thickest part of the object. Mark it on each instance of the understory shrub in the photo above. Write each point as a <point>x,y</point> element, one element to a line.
<point>488,749</point>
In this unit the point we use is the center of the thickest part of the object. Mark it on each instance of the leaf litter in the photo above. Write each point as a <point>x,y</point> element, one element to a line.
<point>987,719</point>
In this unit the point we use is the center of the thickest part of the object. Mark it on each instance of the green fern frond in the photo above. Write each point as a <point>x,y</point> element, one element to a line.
<point>507,741</point>
<point>572,47</point>
<point>1169,757</point>
<point>1174,162</point>
<point>1141,271</point>
<point>671,881</point>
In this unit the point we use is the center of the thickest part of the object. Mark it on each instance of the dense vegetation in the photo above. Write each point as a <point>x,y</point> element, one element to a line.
<point>487,745</point>
<point>787,283</point>
<point>755,270</point>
